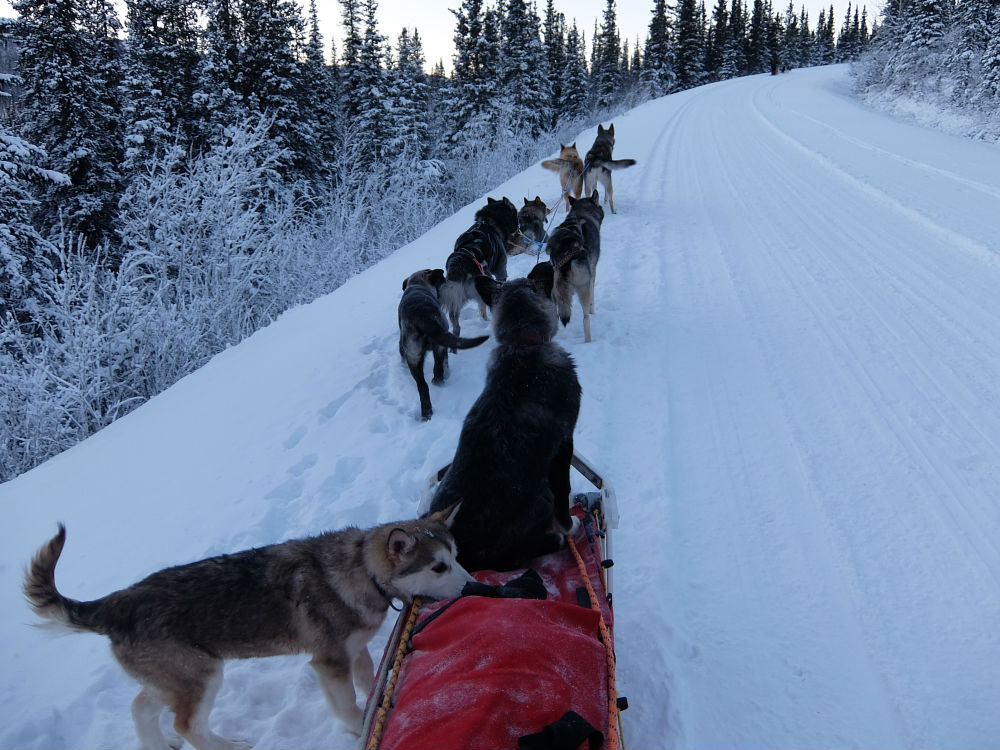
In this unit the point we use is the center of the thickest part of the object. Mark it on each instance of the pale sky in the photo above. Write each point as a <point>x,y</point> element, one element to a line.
<point>436,23</point>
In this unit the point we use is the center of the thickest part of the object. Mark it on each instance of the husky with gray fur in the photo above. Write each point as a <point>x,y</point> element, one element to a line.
<point>600,164</point>
<point>480,250</point>
<point>423,328</point>
<point>326,596</point>
<point>512,466</point>
<point>574,248</point>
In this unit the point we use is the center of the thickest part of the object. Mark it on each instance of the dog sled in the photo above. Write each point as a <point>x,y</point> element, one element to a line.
<point>524,659</point>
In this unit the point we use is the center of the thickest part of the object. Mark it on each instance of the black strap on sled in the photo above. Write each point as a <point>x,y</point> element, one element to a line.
<point>568,733</point>
<point>528,585</point>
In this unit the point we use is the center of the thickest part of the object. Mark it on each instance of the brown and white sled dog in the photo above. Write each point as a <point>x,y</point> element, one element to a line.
<point>423,328</point>
<point>569,165</point>
<point>512,463</point>
<point>600,164</point>
<point>479,250</point>
<point>326,595</point>
<point>574,249</point>
<point>530,226</point>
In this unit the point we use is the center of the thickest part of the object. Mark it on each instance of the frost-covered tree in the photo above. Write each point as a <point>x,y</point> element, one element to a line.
<point>734,58</point>
<point>524,70</point>
<point>473,86</point>
<point>575,99</point>
<point>716,40</point>
<point>606,67</point>
<point>658,66</point>
<point>25,257</point>
<point>757,38</point>
<point>411,96</point>
<point>161,65</point>
<point>70,110</point>
<point>689,55</point>
<point>216,102</point>
<point>554,44</point>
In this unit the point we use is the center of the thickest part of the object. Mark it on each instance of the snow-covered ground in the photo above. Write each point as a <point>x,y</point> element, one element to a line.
<point>794,387</point>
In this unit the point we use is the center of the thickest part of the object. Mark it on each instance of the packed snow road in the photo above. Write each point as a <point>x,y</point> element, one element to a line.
<point>809,293</point>
<point>794,386</point>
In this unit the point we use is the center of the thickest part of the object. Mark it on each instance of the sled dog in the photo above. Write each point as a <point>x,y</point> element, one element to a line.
<point>512,464</point>
<point>600,164</point>
<point>423,328</point>
<point>574,249</point>
<point>569,165</point>
<point>531,225</point>
<point>326,595</point>
<point>480,250</point>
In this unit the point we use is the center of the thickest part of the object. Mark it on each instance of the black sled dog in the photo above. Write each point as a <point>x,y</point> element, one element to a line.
<point>480,250</point>
<point>574,248</point>
<point>512,465</point>
<point>326,596</point>
<point>423,328</point>
<point>600,164</point>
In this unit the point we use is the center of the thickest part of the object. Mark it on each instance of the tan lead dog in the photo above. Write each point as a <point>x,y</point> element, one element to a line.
<point>326,595</point>
<point>569,165</point>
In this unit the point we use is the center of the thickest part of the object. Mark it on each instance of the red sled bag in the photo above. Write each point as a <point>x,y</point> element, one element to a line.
<point>503,671</point>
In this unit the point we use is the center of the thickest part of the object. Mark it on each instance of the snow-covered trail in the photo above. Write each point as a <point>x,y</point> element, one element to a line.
<point>821,302</point>
<point>794,387</point>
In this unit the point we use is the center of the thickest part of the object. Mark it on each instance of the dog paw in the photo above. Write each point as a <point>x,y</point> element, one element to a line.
<point>174,741</point>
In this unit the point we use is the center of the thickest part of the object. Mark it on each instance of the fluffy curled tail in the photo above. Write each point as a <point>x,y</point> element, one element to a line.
<point>43,596</point>
<point>556,164</point>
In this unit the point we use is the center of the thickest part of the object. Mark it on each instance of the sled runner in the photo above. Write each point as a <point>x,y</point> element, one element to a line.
<point>524,659</point>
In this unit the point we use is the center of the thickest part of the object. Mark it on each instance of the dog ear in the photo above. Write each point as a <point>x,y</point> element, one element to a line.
<point>447,516</point>
<point>542,277</point>
<point>405,282</point>
<point>538,199</point>
<point>490,201</point>
<point>574,145</point>
<point>399,544</point>
<point>611,129</point>
<point>436,277</point>
<point>572,200</point>
<point>526,201</point>
<point>595,197</point>
<point>488,289</point>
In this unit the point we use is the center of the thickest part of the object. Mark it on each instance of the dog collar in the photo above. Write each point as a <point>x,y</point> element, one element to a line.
<point>385,594</point>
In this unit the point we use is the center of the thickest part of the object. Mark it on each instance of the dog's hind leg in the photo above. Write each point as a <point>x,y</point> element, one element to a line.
<point>587,303</point>
<point>417,371</point>
<point>334,672</point>
<point>440,365</point>
<point>146,711</point>
<point>191,711</point>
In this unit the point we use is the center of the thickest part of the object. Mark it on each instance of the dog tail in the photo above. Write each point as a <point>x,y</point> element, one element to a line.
<point>45,599</point>
<point>556,164</point>
<point>449,339</point>
<point>618,163</point>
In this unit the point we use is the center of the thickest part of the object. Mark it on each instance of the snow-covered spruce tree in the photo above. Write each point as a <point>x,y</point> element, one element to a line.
<point>270,80</point>
<point>825,47</point>
<point>575,79</point>
<point>973,28</point>
<point>734,58</point>
<point>775,45</point>
<point>473,86</point>
<point>25,257</point>
<point>757,39</point>
<point>987,92</point>
<point>689,56</point>
<point>716,40</point>
<point>658,66</point>
<point>793,38</point>
<point>524,71</point>
<point>554,44</point>
<point>71,72</point>
<point>411,94</point>
<point>217,105</point>
<point>605,70</point>
<point>318,84</point>
<point>161,63</point>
